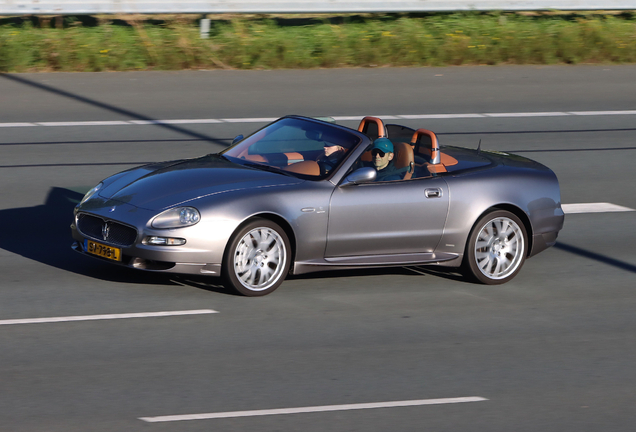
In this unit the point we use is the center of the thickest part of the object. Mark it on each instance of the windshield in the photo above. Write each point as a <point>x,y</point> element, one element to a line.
<point>293,145</point>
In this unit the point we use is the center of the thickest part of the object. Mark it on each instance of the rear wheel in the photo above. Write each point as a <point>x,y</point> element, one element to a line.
<point>257,259</point>
<point>496,248</point>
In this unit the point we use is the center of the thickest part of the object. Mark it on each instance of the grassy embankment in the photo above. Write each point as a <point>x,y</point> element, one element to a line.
<point>291,42</point>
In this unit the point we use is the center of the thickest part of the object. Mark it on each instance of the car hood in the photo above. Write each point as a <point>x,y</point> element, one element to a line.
<point>166,184</point>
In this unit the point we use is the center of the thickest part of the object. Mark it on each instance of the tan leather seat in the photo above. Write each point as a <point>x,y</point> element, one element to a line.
<point>308,167</point>
<point>294,157</point>
<point>403,157</point>
<point>255,158</point>
<point>445,159</point>
<point>367,156</point>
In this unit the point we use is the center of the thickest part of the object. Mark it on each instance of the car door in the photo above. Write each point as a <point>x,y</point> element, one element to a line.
<point>382,218</point>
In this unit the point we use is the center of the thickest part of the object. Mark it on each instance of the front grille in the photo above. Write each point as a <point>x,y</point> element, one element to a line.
<point>116,233</point>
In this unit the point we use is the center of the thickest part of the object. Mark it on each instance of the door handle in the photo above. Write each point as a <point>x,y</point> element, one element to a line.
<point>433,193</point>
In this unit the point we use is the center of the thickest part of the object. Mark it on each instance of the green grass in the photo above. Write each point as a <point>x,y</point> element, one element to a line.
<point>350,41</point>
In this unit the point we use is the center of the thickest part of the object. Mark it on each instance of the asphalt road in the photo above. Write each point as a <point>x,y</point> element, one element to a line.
<point>553,350</point>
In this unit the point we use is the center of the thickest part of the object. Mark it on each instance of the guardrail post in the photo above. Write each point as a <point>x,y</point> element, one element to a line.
<point>205,28</point>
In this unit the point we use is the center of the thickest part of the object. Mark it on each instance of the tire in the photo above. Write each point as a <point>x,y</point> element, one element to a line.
<point>257,258</point>
<point>496,249</point>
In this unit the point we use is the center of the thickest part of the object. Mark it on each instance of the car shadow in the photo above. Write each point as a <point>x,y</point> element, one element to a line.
<point>622,265</point>
<point>42,233</point>
<point>417,271</point>
<point>206,283</point>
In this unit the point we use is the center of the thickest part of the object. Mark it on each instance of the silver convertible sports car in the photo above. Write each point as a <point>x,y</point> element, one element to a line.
<point>303,195</point>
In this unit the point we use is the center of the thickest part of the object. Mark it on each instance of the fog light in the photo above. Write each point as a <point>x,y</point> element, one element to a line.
<point>138,263</point>
<point>164,241</point>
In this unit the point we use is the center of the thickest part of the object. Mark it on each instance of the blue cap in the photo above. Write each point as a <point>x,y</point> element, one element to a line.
<point>383,144</point>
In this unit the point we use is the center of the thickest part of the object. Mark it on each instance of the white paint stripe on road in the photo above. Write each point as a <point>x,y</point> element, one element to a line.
<point>601,113</point>
<point>347,118</point>
<point>250,120</point>
<point>358,118</point>
<point>593,208</point>
<point>85,123</point>
<point>184,121</point>
<point>337,118</point>
<point>106,317</point>
<point>312,409</point>
<point>191,121</point>
<point>528,114</point>
<point>438,116</point>
<point>8,125</point>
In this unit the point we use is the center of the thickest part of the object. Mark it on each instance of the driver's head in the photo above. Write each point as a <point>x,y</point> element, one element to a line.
<point>382,153</point>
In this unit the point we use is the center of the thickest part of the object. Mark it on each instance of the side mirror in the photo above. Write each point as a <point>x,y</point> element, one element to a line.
<point>237,139</point>
<point>362,175</point>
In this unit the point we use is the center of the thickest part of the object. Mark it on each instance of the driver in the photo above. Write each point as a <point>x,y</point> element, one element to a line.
<point>332,156</point>
<point>382,158</point>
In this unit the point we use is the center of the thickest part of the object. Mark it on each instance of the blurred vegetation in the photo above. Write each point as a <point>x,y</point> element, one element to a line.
<point>268,42</point>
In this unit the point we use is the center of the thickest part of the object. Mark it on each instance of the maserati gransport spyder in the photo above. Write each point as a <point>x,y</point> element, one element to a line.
<point>305,194</point>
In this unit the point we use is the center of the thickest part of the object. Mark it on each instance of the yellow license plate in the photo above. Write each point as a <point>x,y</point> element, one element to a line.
<point>102,250</point>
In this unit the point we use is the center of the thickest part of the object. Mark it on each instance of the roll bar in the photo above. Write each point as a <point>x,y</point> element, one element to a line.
<point>365,121</point>
<point>435,154</point>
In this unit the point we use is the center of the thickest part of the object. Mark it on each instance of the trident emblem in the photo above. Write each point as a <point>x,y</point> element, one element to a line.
<point>105,230</point>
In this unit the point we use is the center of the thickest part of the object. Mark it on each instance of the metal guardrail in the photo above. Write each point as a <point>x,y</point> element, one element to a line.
<point>91,7</point>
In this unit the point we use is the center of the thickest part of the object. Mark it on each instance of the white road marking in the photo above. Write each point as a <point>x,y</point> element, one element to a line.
<point>312,409</point>
<point>17,124</point>
<point>347,118</point>
<point>593,208</point>
<point>106,317</point>
<point>437,116</point>
<point>84,123</point>
<point>337,118</point>
<point>250,120</point>
<point>600,113</point>
<point>184,121</point>
<point>529,114</point>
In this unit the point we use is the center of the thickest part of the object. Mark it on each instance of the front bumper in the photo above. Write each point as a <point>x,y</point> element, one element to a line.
<point>154,265</point>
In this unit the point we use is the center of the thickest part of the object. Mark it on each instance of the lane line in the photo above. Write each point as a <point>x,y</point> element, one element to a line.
<point>250,120</point>
<point>436,116</point>
<point>168,122</point>
<point>106,317</point>
<point>600,113</point>
<point>311,409</point>
<point>337,118</point>
<point>594,208</point>
<point>347,118</point>
<point>17,124</point>
<point>529,114</point>
<point>84,123</point>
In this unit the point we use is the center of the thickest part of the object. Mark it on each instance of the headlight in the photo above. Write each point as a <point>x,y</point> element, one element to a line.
<point>91,192</point>
<point>177,217</point>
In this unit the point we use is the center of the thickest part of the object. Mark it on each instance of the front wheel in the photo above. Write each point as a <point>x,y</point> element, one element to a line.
<point>257,259</point>
<point>496,248</point>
